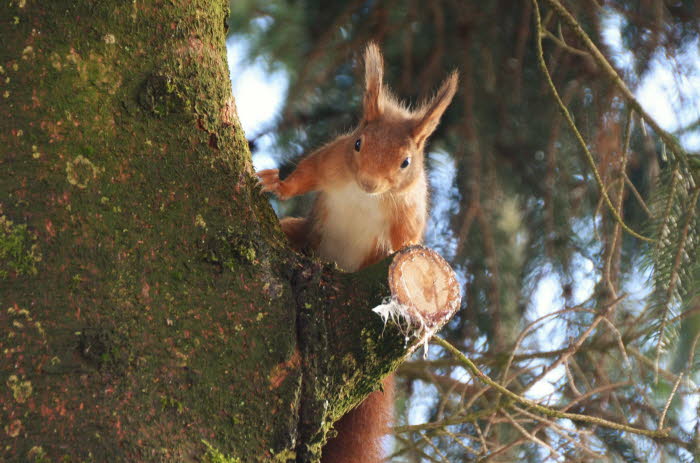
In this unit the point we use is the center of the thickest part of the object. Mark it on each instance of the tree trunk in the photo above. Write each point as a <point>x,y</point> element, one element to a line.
<point>151,308</point>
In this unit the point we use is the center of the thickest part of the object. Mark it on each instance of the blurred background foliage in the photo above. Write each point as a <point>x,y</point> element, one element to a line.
<point>518,211</point>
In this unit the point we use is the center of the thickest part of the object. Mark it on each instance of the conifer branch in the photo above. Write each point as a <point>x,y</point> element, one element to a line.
<point>607,68</point>
<point>572,125</point>
<point>678,260</point>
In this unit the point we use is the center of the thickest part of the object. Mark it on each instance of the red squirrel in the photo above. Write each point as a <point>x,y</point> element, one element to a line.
<point>372,201</point>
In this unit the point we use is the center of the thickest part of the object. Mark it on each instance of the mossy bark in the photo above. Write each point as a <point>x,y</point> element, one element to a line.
<point>150,303</point>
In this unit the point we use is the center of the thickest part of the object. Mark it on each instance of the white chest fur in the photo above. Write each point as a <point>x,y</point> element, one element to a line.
<point>353,224</point>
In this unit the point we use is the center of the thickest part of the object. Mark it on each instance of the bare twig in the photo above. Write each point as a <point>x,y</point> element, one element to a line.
<point>564,433</point>
<point>446,422</point>
<point>564,45</point>
<point>658,434</point>
<point>434,447</point>
<point>530,327</point>
<point>570,378</point>
<point>573,348</point>
<point>640,200</point>
<point>456,439</point>
<point>532,437</point>
<point>409,443</point>
<point>668,402</point>
<point>620,196</point>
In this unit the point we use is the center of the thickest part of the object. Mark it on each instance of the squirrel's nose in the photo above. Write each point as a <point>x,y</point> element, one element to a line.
<point>369,186</point>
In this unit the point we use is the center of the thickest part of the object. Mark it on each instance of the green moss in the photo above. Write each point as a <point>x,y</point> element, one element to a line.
<point>285,456</point>
<point>171,402</point>
<point>230,247</point>
<point>160,95</point>
<point>37,455</point>
<point>213,455</point>
<point>19,252</point>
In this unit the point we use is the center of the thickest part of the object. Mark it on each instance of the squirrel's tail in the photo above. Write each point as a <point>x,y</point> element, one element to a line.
<point>297,231</point>
<point>360,431</point>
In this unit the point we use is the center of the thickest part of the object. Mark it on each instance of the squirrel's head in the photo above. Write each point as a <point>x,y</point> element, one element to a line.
<point>387,147</point>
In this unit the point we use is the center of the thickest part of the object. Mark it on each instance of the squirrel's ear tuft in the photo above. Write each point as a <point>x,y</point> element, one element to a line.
<point>429,115</point>
<point>374,72</point>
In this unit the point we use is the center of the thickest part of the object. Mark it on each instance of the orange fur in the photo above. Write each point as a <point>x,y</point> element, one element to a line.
<point>372,201</point>
<point>360,431</point>
<point>297,231</point>
<point>374,257</point>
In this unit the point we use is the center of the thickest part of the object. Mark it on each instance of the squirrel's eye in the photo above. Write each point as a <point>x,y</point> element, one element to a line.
<point>405,163</point>
<point>358,143</point>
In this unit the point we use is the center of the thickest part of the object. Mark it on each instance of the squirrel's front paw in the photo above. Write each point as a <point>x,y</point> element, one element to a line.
<point>270,181</point>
